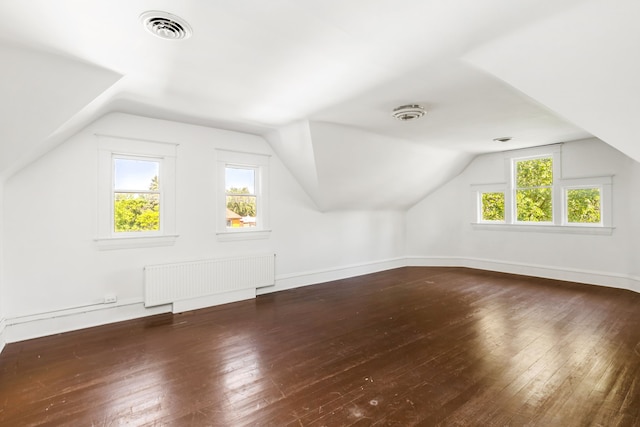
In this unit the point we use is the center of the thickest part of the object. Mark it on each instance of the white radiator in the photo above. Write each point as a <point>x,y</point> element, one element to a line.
<point>168,283</point>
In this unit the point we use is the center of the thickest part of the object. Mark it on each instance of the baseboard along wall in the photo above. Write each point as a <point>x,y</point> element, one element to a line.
<point>307,278</point>
<point>43,324</point>
<point>3,341</point>
<point>589,277</point>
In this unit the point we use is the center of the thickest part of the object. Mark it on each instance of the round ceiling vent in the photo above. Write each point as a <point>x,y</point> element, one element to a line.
<point>165,25</point>
<point>408,112</point>
<point>502,139</point>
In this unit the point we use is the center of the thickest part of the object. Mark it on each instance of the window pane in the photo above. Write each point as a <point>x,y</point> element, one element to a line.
<point>583,205</point>
<point>240,181</point>
<point>493,206</point>
<point>138,175</point>
<point>241,211</point>
<point>534,205</point>
<point>534,173</point>
<point>136,212</point>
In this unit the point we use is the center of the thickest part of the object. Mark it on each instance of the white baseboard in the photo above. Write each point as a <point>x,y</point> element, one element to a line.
<point>613,280</point>
<point>3,341</point>
<point>306,278</point>
<point>211,300</point>
<point>43,324</point>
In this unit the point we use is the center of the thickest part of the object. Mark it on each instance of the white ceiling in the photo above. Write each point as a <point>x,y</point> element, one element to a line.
<point>333,69</point>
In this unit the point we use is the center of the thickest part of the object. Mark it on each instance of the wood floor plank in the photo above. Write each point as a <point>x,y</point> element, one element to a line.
<point>411,346</point>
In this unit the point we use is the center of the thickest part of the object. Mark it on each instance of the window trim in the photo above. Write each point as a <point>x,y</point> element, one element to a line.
<point>478,191</point>
<point>511,158</point>
<point>259,163</point>
<point>257,183</point>
<point>112,147</point>
<point>604,183</point>
<point>559,207</point>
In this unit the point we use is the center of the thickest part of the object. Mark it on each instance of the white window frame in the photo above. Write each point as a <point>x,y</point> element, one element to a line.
<point>160,162</point>
<point>478,191</point>
<point>559,224</point>
<point>604,183</point>
<point>243,160</point>
<point>510,201</point>
<point>113,147</point>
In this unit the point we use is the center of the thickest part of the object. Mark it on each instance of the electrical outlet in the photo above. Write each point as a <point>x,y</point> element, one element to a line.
<point>110,298</point>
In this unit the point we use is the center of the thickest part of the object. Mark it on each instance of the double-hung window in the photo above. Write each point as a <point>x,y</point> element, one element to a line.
<point>536,194</point>
<point>533,189</point>
<point>242,196</point>
<point>136,193</point>
<point>243,202</point>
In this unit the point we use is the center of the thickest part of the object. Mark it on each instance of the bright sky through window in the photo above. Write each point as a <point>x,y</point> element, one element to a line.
<point>133,174</point>
<point>240,178</point>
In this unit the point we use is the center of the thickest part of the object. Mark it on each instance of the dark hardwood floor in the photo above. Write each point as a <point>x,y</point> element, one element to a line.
<point>412,346</point>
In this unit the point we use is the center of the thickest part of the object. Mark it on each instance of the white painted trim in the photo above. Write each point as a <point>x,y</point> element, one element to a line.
<point>543,228</point>
<point>306,278</point>
<point>43,324</point>
<point>248,234</point>
<point>162,152</point>
<point>213,300</point>
<point>3,340</point>
<point>128,146</point>
<point>260,163</point>
<point>614,280</point>
<point>131,242</point>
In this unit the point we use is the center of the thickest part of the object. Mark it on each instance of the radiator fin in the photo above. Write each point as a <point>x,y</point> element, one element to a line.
<point>167,283</point>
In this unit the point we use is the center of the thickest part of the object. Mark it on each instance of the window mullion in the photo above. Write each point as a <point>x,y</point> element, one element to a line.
<point>559,207</point>
<point>560,202</point>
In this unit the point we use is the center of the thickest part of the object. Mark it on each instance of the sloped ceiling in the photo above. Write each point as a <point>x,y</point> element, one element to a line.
<point>40,93</point>
<point>338,164</point>
<point>582,63</point>
<point>319,78</point>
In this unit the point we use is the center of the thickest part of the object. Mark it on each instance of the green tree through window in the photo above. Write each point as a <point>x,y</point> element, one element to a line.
<point>493,206</point>
<point>583,205</point>
<point>136,212</point>
<point>136,194</point>
<point>241,196</point>
<point>239,203</point>
<point>534,190</point>
<point>536,196</point>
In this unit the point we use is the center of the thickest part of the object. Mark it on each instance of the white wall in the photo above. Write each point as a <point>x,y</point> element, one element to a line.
<point>55,278</point>
<point>52,265</point>
<point>2,291</point>
<point>439,228</point>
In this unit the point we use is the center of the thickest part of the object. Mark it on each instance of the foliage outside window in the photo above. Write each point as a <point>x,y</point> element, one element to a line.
<point>136,195</point>
<point>535,196</point>
<point>241,197</point>
<point>533,189</point>
<point>583,205</point>
<point>492,206</point>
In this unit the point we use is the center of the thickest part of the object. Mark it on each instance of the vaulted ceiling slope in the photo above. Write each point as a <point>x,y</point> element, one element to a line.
<point>583,63</point>
<point>40,93</point>
<point>319,78</point>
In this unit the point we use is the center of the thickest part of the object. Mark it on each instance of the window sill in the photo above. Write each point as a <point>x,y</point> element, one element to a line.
<point>563,229</point>
<point>229,236</point>
<point>131,242</point>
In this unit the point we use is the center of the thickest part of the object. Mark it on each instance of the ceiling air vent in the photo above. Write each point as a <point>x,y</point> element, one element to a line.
<point>502,139</point>
<point>165,25</point>
<point>409,112</point>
